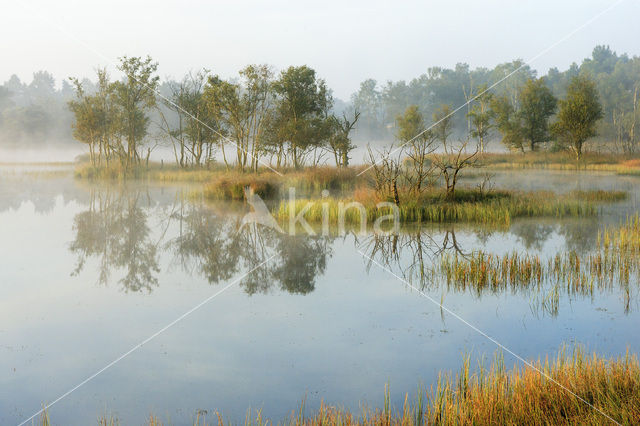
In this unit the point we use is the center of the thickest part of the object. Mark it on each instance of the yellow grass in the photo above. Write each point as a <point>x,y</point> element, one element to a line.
<point>573,389</point>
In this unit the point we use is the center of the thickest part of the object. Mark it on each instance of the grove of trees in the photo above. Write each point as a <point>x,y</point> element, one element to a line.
<point>290,118</point>
<point>286,119</point>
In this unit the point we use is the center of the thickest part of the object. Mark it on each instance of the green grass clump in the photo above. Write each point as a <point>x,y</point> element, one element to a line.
<point>315,179</point>
<point>496,208</point>
<point>231,186</point>
<point>153,171</point>
<point>615,263</point>
<point>599,195</point>
<point>486,271</point>
<point>221,183</point>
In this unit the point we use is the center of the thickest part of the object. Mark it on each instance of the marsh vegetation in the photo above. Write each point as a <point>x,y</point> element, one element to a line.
<point>601,390</point>
<point>132,239</point>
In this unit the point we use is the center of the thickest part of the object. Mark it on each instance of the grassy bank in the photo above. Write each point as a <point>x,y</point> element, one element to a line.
<point>497,208</point>
<point>321,177</point>
<point>231,185</point>
<point>576,388</point>
<point>220,183</point>
<point>617,163</point>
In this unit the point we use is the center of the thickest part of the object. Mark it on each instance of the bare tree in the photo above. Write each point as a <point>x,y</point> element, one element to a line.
<point>453,159</point>
<point>386,171</point>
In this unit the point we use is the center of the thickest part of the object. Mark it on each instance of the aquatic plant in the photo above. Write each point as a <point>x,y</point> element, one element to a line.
<point>497,208</point>
<point>574,388</point>
<point>232,186</point>
<point>614,262</point>
<point>598,195</point>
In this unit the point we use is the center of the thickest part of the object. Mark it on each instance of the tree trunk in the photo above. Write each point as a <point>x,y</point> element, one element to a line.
<point>396,198</point>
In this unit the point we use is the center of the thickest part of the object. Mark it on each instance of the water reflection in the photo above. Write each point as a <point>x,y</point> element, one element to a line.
<point>532,235</point>
<point>115,231</point>
<point>578,235</point>
<point>443,260</point>
<point>143,238</point>
<point>413,252</point>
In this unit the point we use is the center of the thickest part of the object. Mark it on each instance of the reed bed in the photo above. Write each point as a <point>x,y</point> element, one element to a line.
<point>599,195</point>
<point>110,172</point>
<point>491,210</point>
<point>524,396</point>
<point>220,183</point>
<point>482,271</point>
<point>231,185</point>
<point>316,179</point>
<point>573,388</point>
<point>615,263</point>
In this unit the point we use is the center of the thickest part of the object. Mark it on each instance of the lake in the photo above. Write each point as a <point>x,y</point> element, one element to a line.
<point>89,271</point>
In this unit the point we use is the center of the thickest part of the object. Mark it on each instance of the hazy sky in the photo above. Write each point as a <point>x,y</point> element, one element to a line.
<point>345,41</point>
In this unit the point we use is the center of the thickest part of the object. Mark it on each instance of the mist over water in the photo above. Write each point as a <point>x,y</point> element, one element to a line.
<point>91,269</point>
<point>45,154</point>
<point>149,162</point>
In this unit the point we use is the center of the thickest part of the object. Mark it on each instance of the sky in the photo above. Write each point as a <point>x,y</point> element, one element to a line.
<point>345,41</point>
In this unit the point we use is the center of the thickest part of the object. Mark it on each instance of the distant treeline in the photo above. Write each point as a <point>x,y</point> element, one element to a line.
<point>617,79</point>
<point>35,112</point>
<point>291,117</point>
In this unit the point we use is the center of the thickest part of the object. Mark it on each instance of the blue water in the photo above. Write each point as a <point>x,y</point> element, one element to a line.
<point>88,272</point>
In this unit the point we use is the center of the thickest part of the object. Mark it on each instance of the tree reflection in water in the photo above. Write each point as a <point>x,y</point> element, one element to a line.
<point>218,247</point>
<point>413,253</point>
<point>115,231</point>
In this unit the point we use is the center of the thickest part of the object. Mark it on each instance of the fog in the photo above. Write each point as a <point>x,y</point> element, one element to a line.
<point>374,58</point>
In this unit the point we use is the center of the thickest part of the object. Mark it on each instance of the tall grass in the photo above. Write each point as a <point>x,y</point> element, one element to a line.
<point>316,179</point>
<point>231,186</point>
<point>495,209</point>
<point>524,396</point>
<point>598,195</point>
<point>614,263</point>
<point>310,178</point>
<point>574,388</point>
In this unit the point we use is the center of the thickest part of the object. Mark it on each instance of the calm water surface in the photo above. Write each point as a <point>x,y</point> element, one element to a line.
<point>87,272</point>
